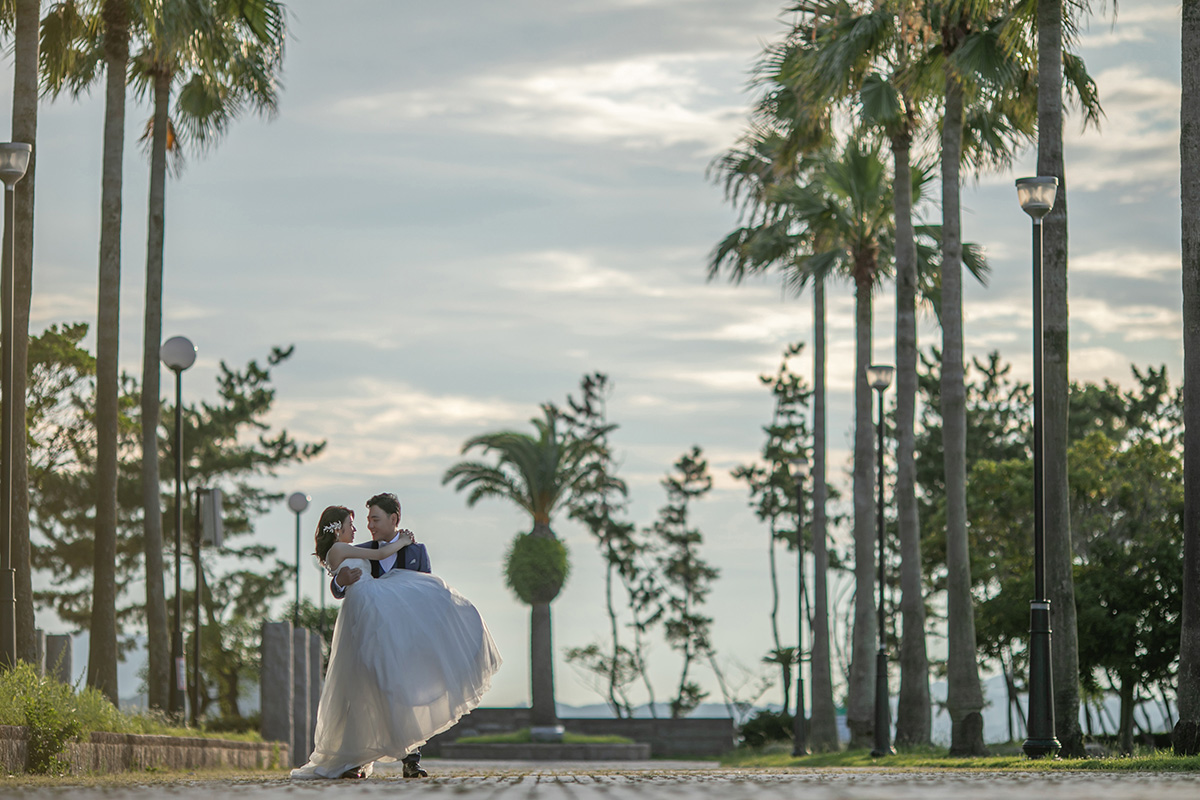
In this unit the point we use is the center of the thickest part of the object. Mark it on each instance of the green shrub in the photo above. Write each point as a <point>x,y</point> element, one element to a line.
<point>766,727</point>
<point>49,711</point>
<point>536,568</point>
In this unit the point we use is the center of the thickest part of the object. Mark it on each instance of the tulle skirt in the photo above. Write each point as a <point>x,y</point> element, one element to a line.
<point>410,656</point>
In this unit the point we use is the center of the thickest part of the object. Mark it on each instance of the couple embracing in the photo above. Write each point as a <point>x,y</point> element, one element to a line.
<point>410,655</point>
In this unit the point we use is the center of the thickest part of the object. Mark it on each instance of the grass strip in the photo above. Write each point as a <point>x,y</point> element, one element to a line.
<point>932,758</point>
<point>523,736</point>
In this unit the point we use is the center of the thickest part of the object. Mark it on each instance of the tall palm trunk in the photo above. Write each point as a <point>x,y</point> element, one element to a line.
<point>914,720</point>
<point>541,654</point>
<point>1060,583</point>
<point>24,129</point>
<point>964,694</point>
<point>159,655</point>
<point>102,649</point>
<point>823,734</point>
<point>1187,730</point>
<point>860,707</point>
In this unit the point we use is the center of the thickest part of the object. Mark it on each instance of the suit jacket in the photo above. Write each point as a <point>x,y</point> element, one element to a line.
<point>413,556</point>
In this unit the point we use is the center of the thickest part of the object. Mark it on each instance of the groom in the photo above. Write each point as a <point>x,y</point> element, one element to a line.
<point>383,521</point>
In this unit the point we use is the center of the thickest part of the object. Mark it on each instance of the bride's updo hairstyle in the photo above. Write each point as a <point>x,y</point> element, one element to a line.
<point>328,528</point>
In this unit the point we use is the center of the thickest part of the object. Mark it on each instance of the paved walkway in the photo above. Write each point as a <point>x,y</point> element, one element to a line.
<point>659,780</point>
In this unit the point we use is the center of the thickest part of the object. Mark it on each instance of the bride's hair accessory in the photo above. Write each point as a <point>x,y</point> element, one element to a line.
<point>329,528</point>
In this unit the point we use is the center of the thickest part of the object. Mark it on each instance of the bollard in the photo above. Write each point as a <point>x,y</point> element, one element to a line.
<point>39,651</point>
<point>276,681</point>
<point>301,744</point>
<point>58,657</point>
<point>314,685</point>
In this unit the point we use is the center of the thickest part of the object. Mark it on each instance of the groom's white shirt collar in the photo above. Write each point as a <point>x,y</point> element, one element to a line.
<point>387,563</point>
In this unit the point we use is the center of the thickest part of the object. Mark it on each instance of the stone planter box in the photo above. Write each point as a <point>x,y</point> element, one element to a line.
<point>546,752</point>
<point>126,752</point>
<point>705,737</point>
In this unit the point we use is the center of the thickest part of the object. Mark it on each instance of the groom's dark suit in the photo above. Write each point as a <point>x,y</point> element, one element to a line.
<point>414,557</point>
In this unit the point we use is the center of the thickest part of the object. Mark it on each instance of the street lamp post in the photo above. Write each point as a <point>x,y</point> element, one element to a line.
<point>1036,196</point>
<point>880,378</point>
<point>14,160</point>
<point>297,502</point>
<point>800,723</point>
<point>178,353</point>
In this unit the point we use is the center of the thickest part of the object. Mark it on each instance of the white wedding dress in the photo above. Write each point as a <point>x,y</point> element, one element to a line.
<point>410,656</point>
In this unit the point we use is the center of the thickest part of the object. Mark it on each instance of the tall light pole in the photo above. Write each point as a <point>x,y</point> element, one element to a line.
<point>14,160</point>
<point>178,353</point>
<point>297,502</point>
<point>800,723</point>
<point>880,378</point>
<point>1036,196</point>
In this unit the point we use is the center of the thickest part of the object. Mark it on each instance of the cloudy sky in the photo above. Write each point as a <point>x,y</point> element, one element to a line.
<point>462,208</point>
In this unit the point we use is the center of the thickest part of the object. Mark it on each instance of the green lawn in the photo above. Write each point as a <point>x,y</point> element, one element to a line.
<point>523,736</point>
<point>779,755</point>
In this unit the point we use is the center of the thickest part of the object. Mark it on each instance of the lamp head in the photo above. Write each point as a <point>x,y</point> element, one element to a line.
<point>799,468</point>
<point>298,501</point>
<point>178,353</point>
<point>14,160</point>
<point>880,376</point>
<point>1036,195</point>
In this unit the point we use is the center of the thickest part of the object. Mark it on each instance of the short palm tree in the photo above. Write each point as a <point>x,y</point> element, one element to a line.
<point>540,474</point>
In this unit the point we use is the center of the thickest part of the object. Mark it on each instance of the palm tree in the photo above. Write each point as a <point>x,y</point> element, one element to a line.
<point>764,159</point>
<point>873,54</point>
<point>1060,582</point>
<point>839,220</point>
<point>976,61</point>
<point>225,56</point>
<point>1187,730</point>
<point>27,14</point>
<point>77,39</point>
<point>113,33</point>
<point>539,474</point>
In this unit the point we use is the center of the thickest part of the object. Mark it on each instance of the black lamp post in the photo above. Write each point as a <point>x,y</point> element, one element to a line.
<point>14,160</point>
<point>1037,198</point>
<point>297,502</point>
<point>880,378</point>
<point>178,353</point>
<point>800,723</point>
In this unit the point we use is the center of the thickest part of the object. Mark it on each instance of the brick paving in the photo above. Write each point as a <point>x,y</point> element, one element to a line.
<point>660,780</point>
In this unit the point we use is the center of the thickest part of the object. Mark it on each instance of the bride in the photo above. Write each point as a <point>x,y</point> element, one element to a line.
<point>410,656</point>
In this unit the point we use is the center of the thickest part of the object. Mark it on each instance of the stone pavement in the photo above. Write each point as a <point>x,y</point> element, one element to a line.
<point>663,780</point>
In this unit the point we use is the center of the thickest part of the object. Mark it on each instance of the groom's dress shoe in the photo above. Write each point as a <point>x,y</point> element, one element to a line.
<point>357,772</point>
<point>412,770</point>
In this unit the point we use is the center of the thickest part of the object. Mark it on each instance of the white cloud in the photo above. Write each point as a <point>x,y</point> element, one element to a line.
<point>646,101</point>
<point>1128,263</point>
<point>1137,147</point>
<point>1132,323</point>
<point>1130,25</point>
